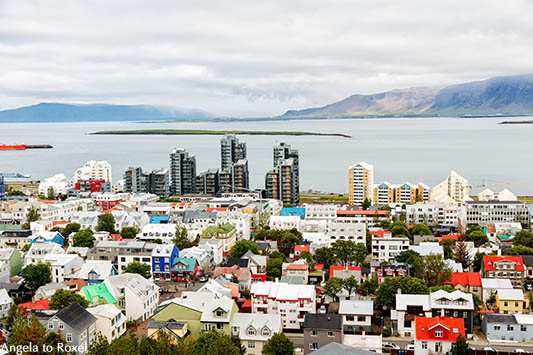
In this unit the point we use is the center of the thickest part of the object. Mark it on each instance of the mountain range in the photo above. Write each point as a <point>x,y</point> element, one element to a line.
<point>59,112</point>
<point>505,96</point>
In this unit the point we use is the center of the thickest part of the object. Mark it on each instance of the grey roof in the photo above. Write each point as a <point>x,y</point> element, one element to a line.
<point>340,349</point>
<point>237,261</point>
<point>293,280</point>
<point>323,321</point>
<point>76,317</point>
<point>500,318</point>
<point>358,307</point>
<point>528,260</point>
<point>169,325</point>
<point>189,216</point>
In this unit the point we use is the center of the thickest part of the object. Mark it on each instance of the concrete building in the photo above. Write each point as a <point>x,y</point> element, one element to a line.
<point>360,183</point>
<point>122,253</point>
<point>408,307</point>
<point>58,184</point>
<point>207,182</point>
<point>182,172</point>
<point>452,190</point>
<point>489,212</point>
<point>241,178</point>
<point>231,151</point>
<point>433,213</point>
<point>357,315</point>
<point>320,330</point>
<point>283,181</point>
<point>93,170</point>
<point>385,248</point>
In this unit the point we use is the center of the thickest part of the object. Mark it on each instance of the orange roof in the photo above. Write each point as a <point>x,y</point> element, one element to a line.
<point>117,237</point>
<point>319,267</point>
<point>489,260</point>
<point>55,223</point>
<point>334,268</point>
<point>447,236</point>
<point>297,267</point>
<point>40,304</point>
<point>450,328</point>
<point>302,248</point>
<point>362,212</point>
<point>380,234</point>
<point>465,279</point>
<point>218,209</point>
<point>242,274</point>
<point>78,282</point>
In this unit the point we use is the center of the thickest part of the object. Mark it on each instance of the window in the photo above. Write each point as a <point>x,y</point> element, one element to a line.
<point>220,313</point>
<point>314,333</point>
<point>455,330</point>
<point>510,327</point>
<point>251,331</point>
<point>61,325</point>
<point>361,318</point>
<point>350,318</point>
<point>331,334</point>
<point>496,327</point>
<point>438,333</point>
<point>235,330</point>
<point>220,326</point>
<point>51,325</point>
<point>523,328</point>
<point>424,345</point>
<point>69,337</point>
<point>251,344</point>
<point>313,346</point>
<point>265,332</point>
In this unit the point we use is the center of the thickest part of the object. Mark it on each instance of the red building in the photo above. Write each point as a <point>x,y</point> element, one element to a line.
<point>435,335</point>
<point>92,186</point>
<point>106,201</point>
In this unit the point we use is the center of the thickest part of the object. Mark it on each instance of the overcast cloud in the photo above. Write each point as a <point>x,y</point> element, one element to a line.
<point>252,58</point>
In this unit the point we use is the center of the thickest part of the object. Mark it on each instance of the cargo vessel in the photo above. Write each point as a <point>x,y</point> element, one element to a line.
<point>24,146</point>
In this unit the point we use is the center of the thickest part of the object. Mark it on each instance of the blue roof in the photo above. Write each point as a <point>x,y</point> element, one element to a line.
<point>158,219</point>
<point>293,211</point>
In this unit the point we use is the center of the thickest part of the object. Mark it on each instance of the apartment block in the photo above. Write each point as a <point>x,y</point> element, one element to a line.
<point>360,183</point>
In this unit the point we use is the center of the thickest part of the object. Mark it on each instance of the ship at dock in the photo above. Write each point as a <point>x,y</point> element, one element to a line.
<point>24,146</point>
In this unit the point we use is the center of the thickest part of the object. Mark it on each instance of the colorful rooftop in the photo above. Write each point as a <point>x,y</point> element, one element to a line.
<point>219,232</point>
<point>98,293</point>
<point>489,260</point>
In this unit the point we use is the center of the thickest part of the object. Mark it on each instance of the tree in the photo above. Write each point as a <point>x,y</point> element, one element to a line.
<point>350,285</point>
<point>241,247</point>
<point>71,228</point>
<point>274,268</point>
<point>478,237</point>
<point>519,250</point>
<point>385,224</point>
<point>63,298</point>
<point>215,343</point>
<point>129,232</point>
<point>13,315</point>
<point>399,228</point>
<point>106,223</point>
<point>461,347</point>
<point>360,253</point>
<point>291,238</point>
<point>334,286</point>
<point>51,194</point>
<point>369,286</point>
<point>325,256</point>
<point>478,261</point>
<point>36,275</point>
<point>345,250</point>
<point>136,267</point>
<point>386,293</point>
<point>32,215</point>
<point>27,331</point>
<point>433,270</point>
<point>421,229</point>
<point>83,238</point>
<point>408,257</point>
<point>278,344</point>
<point>523,238</point>
<point>26,247</point>
<point>366,204</point>
<point>447,247</point>
<point>181,238</point>
<point>461,254</point>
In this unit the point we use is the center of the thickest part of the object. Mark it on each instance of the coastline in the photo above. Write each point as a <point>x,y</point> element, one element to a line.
<point>216,132</point>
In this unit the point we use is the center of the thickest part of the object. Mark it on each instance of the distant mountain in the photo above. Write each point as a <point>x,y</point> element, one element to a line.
<point>510,95</point>
<point>58,112</point>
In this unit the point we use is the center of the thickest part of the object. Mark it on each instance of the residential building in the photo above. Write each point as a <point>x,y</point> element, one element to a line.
<point>387,247</point>
<point>122,253</point>
<point>345,271</point>
<point>360,183</point>
<point>456,304</point>
<point>517,328</point>
<point>182,172</point>
<point>453,190</point>
<point>321,329</point>
<point>355,232</point>
<point>76,324</point>
<point>512,301</point>
<point>135,180</point>
<point>504,267</point>
<point>243,275</point>
<point>226,233</point>
<point>16,239</point>
<point>392,269</point>
<point>153,231</point>
<point>93,170</point>
<point>254,330</point>
<point>38,252</point>
<point>292,302</point>
<point>57,184</point>
<point>283,181</point>
<point>158,183</point>
<point>468,282</point>
<point>98,294</point>
<point>200,254</point>
<point>110,321</point>
<point>408,307</point>
<point>433,213</point>
<point>12,258</point>
<point>163,257</point>
<point>47,237</point>
<point>340,349</point>
<point>428,248</point>
<point>437,334</point>
<point>207,183</point>
<point>320,211</point>
<point>231,151</point>
<point>257,264</point>
<point>241,178</point>
<point>184,269</point>
<point>491,286</point>
<point>5,303</point>
<point>63,265</point>
<point>488,212</point>
<point>94,271</point>
<point>175,331</point>
<point>357,315</point>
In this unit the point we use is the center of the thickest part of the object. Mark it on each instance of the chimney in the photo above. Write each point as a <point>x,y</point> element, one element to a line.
<point>399,291</point>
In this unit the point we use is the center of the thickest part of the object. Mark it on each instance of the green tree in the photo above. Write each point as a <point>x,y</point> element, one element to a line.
<point>274,268</point>
<point>106,223</point>
<point>369,286</point>
<point>241,247</point>
<point>32,215</point>
<point>71,228</point>
<point>36,275</point>
<point>433,270</point>
<point>461,254</point>
<point>385,224</point>
<point>136,267</point>
<point>447,247</point>
<point>386,293</point>
<point>366,204</point>
<point>461,347</point>
<point>129,232</point>
<point>51,194</point>
<point>345,250</point>
<point>13,315</point>
<point>27,331</point>
<point>478,237</point>
<point>421,229</point>
<point>523,238</point>
<point>278,344</point>
<point>215,343</point>
<point>26,247</point>
<point>350,285</point>
<point>399,228</point>
<point>63,298</point>
<point>158,241</point>
<point>291,238</point>
<point>408,257</point>
<point>478,261</point>
<point>325,256</point>
<point>83,238</point>
<point>519,250</point>
<point>181,238</point>
<point>360,253</point>
<point>334,286</point>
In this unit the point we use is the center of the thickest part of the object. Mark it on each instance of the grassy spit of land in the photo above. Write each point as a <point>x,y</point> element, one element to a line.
<point>516,122</point>
<point>313,198</point>
<point>217,132</point>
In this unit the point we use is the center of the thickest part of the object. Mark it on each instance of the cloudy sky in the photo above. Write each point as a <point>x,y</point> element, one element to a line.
<point>252,58</point>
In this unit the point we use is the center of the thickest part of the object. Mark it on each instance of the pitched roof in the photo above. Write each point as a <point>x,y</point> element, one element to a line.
<point>424,327</point>
<point>340,349</point>
<point>489,260</point>
<point>500,318</point>
<point>40,304</point>
<point>512,294</point>
<point>190,264</point>
<point>302,248</point>
<point>465,279</point>
<point>237,261</point>
<point>100,291</point>
<point>76,317</point>
<point>323,321</point>
<point>359,307</point>
<point>259,322</point>
<point>335,268</point>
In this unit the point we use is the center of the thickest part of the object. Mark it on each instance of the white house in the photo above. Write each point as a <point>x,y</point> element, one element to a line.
<point>385,248</point>
<point>428,248</point>
<point>137,296</point>
<point>292,302</point>
<point>356,314</point>
<point>62,265</point>
<point>214,248</point>
<point>355,232</point>
<point>58,182</point>
<point>4,272</point>
<point>490,286</point>
<point>284,222</point>
<point>153,231</point>
<point>320,212</point>
<point>110,321</point>
<point>5,303</point>
<point>38,251</point>
<point>407,308</point>
<point>254,330</point>
<point>94,271</point>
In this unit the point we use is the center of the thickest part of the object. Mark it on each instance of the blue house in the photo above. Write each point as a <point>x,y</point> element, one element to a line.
<point>48,237</point>
<point>163,257</point>
<point>293,211</point>
<point>94,271</point>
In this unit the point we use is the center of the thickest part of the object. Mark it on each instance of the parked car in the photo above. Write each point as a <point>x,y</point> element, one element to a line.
<point>410,347</point>
<point>386,346</point>
<point>203,278</point>
<point>488,348</point>
<point>520,351</point>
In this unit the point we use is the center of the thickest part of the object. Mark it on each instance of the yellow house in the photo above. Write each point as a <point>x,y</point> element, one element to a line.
<point>174,330</point>
<point>511,301</point>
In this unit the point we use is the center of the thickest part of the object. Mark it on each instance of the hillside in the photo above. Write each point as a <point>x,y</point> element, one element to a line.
<point>512,95</point>
<point>58,112</point>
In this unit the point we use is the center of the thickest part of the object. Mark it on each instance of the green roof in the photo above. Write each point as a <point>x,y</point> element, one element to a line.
<point>99,290</point>
<point>222,231</point>
<point>7,227</point>
<point>189,262</point>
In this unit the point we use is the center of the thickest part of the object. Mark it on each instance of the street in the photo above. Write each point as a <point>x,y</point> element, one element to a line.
<point>475,345</point>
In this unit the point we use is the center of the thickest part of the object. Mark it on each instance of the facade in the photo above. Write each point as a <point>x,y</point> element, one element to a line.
<point>361,183</point>
<point>511,301</point>
<point>489,212</point>
<point>456,304</point>
<point>62,265</point>
<point>5,303</point>
<point>408,307</point>
<point>163,257</point>
<point>158,183</point>
<point>433,213</point>
<point>94,271</point>
<point>207,183</point>
<point>467,282</point>
<point>387,247</point>
<point>517,328</point>
<point>38,252</point>
<point>93,170</point>
<point>437,334</point>
<point>283,181</point>
<point>357,315</point>
<point>320,330</point>
<point>231,151</point>
<point>355,232</point>
<point>453,190</point>
<point>110,321</point>
<point>504,267</point>
<point>122,253</point>
<point>182,172</point>
<point>12,258</point>
<point>241,179</point>
<point>135,180</point>
<point>254,330</point>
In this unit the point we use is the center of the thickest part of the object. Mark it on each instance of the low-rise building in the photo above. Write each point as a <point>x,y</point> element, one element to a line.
<point>5,303</point>
<point>226,233</point>
<point>491,286</point>
<point>12,258</point>
<point>110,321</point>
<point>122,253</point>
<point>504,267</point>
<point>386,248</point>
<point>456,304</point>
<point>512,301</point>
<point>357,315</point>
<point>408,307</point>
<point>38,252</point>
<point>468,282</point>
<point>163,257</point>
<point>63,265</point>
<point>517,328</point>
<point>255,330</point>
<point>94,271</point>
<point>435,335</point>
<point>320,330</point>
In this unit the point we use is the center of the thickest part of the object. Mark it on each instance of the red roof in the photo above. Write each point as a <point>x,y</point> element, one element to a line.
<point>465,279</point>
<point>217,209</point>
<point>489,260</point>
<point>334,268</point>
<point>380,234</point>
<point>447,236</point>
<point>56,223</point>
<point>302,248</point>
<point>319,267</point>
<point>451,328</point>
<point>297,267</point>
<point>362,212</point>
<point>116,237</point>
<point>40,304</point>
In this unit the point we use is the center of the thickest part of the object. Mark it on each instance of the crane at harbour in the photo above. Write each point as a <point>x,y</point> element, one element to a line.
<point>501,184</point>
<point>4,176</point>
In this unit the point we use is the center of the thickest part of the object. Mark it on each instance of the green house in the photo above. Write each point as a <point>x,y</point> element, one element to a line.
<point>220,232</point>
<point>98,294</point>
<point>13,259</point>
<point>201,311</point>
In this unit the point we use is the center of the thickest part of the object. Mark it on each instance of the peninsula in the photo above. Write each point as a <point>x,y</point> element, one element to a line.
<point>217,132</point>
